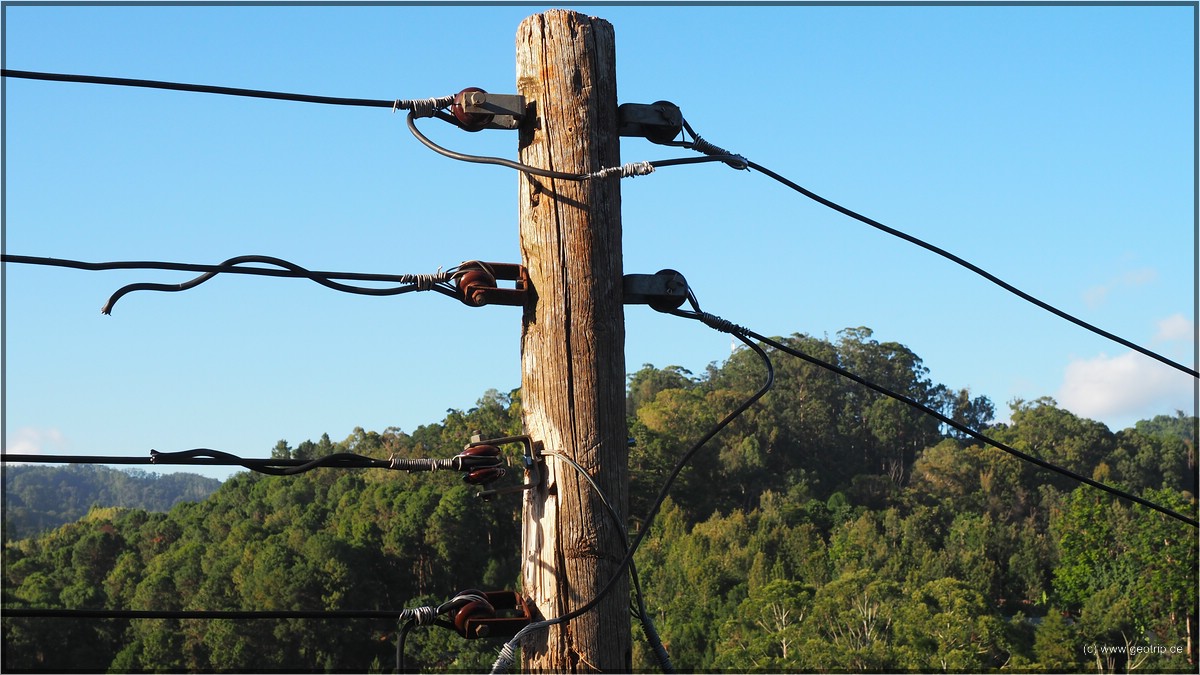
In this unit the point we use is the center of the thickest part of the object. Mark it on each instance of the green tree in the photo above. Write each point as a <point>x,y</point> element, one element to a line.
<point>1055,648</point>
<point>764,632</point>
<point>946,626</point>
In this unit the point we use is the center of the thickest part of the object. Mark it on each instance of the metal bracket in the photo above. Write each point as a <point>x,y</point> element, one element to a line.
<point>532,459</point>
<point>665,290</point>
<point>477,284</point>
<point>476,110</point>
<point>658,122</point>
<point>508,603</point>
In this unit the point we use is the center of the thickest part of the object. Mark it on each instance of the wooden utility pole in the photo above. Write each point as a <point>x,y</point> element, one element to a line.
<point>573,341</point>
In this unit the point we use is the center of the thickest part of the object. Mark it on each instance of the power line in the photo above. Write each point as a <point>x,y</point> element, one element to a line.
<point>648,628</point>
<point>394,104</point>
<point>439,281</point>
<point>700,145</point>
<point>227,267</point>
<point>430,107</point>
<point>480,463</point>
<point>33,612</point>
<point>725,326</point>
<point>626,171</point>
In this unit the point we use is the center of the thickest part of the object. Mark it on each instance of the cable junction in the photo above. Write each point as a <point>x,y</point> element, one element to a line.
<point>626,171</point>
<point>448,283</point>
<point>433,107</point>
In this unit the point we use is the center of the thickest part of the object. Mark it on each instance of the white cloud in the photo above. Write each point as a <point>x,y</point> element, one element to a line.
<point>35,441</point>
<point>1175,327</point>
<point>1097,295</point>
<point>1125,388</point>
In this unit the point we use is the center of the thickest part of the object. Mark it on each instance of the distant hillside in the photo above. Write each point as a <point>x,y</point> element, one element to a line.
<point>41,498</point>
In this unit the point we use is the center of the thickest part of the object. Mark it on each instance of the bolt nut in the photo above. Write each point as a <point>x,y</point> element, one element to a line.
<point>470,121</point>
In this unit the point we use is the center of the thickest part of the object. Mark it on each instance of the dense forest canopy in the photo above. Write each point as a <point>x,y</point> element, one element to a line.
<point>828,529</point>
<point>40,498</point>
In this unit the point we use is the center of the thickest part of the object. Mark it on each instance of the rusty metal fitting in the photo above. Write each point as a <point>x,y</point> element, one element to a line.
<point>478,284</point>
<point>499,615</point>
<point>532,459</point>
<point>469,99</point>
<point>475,110</point>
<point>485,475</point>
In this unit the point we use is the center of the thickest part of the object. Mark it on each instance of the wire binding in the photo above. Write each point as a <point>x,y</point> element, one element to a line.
<point>724,325</point>
<point>422,107</point>
<point>422,616</point>
<point>506,658</point>
<point>631,170</point>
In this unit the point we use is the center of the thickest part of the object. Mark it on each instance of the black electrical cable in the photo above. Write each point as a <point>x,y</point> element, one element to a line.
<point>547,173</point>
<point>295,272</point>
<point>721,324</point>
<point>206,457</point>
<point>402,104</point>
<point>700,145</point>
<point>508,651</point>
<point>274,467</point>
<point>408,282</point>
<point>232,263</point>
<point>648,628</point>
<point>27,612</point>
<point>405,629</point>
<point>974,268</point>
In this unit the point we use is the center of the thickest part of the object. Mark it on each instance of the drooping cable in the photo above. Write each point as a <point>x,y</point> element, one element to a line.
<point>700,145</point>
<point>723,325</point>
<point>394,104</point>
<point>625,171</point>
<point>647,622</point>
<point>407,283</point>
<point>466,461</point>
<point>428,618</point>
<point>408,617</point>
<point>508,652</point>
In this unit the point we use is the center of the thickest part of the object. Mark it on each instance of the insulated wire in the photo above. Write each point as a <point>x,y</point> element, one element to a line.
<point>27,612</point>
<point>409,282</point>
<point>295,272</point>
<point>401,104</point>
<point>656,645</point>
<point>273,467</point>
<point>700,145</point>
<point>720,324</point>
<point>504,661</point>
<point>972,267</point>
<point>547,173</point>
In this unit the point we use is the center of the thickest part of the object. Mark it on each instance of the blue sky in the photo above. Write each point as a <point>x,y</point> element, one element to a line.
<point>1053,146</point>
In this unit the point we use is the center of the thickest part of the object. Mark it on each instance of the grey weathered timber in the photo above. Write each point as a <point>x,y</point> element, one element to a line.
<point>572,346</point>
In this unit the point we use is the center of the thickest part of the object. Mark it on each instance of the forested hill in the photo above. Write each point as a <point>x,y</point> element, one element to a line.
<point>40,498</point>
<point>827,529</point>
